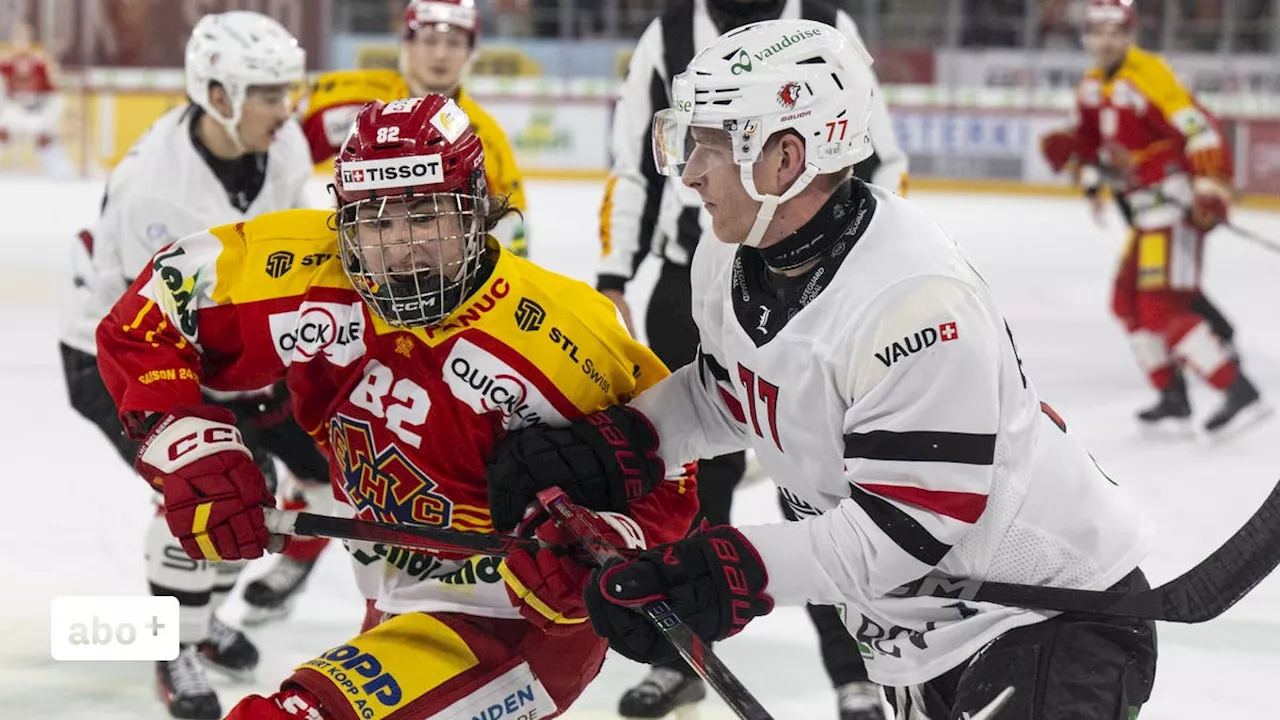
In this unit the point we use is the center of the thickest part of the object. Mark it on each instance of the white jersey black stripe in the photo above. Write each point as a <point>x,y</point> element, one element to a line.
<point>922,446</point>
<point>891,407</point>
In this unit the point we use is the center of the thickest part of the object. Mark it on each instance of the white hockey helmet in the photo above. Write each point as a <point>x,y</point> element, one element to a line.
<point>767,77</point>
<point>237,50</point>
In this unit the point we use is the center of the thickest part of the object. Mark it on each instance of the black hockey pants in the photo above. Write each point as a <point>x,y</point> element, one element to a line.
<point>1070,667</point>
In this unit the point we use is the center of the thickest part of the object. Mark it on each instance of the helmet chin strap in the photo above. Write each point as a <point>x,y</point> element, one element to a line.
<point>229,124</point>
<point>769,203</point>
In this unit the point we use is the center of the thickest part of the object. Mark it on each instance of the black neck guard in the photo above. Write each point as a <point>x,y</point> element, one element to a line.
<point>843,211</point>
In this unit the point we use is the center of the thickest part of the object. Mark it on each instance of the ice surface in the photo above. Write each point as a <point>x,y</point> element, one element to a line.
<point>78,514</point>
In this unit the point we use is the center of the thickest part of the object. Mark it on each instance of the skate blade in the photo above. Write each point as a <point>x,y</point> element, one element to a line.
<point>242,675</point>
<point>687,712</point>
<point>1248,418</point>
<point>254,615</point>
<point>1168,429</point>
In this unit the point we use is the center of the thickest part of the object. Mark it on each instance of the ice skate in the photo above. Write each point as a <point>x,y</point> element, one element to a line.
<point>1171,415</point>
<point>271,597</point>
<point>663,691</point>
<point>229,651</point>
<point>184,688</point>
<point>1242,408</point>
<point>860,701</point>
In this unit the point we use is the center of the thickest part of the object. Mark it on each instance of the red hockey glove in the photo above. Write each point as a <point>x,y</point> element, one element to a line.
<point>213,491</point>
<point>714,581</point>
<point>1210,202</point>
<point>547,586</point>
<point>1059,148</point>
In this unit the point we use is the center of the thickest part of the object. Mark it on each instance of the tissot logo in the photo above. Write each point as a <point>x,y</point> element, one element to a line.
<point>392,172</point>
<point>279,262</point>
<point>529,315</point>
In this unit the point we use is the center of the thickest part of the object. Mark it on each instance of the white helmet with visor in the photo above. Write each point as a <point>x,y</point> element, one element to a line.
<point>761,79</point>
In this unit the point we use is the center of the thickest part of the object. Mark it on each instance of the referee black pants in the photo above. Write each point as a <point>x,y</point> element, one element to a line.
<point>673,337</point>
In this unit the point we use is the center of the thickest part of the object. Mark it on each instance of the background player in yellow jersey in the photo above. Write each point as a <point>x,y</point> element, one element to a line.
<point>438,45</point>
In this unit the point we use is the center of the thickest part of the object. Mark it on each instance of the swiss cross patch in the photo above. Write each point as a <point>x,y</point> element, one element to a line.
<point>916,342</point>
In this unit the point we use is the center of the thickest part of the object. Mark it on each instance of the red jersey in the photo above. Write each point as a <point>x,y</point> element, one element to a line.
<point>27,77</point>
<point>1141,126</point>
<point>408,416</point>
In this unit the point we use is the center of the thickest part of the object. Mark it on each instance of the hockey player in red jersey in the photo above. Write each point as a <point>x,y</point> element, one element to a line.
<point>1140,132</point>
<point>411,342</point>
<point>30,107</point>
<point>439,42</point>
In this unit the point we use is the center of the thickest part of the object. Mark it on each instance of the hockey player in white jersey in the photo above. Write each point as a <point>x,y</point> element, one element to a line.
<point>644,212</point>
<point>848,341</point>
<point>230,155</point>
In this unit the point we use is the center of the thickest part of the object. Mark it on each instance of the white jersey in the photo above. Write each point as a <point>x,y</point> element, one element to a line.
<point>886,399</point>
<point>161,191</point>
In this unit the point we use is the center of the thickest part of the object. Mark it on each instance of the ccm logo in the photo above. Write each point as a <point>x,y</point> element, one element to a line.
<point>207,436</point>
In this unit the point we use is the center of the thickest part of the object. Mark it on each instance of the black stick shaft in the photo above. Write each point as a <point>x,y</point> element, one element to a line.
<point>691,647</point>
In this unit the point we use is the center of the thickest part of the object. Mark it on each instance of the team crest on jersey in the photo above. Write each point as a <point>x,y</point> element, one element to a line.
<point>920,340</point>
<point>382,483</point>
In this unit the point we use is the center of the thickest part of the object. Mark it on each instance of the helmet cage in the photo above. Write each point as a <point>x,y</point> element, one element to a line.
<point>415,257</point>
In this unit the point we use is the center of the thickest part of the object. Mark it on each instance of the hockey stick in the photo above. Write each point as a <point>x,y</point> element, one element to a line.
<point>416,537</point>
<point>1202,593</point>
<point>690,646</point>
<point>1252,236</point>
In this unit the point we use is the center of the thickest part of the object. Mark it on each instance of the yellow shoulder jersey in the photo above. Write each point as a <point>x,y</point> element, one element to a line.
<point>242,305</point>
<point>1142,122</point>
<point>408,417</point>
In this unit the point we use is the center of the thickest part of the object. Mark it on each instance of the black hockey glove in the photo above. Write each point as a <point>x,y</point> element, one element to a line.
<point>602,462</point>
<point>714,581</point>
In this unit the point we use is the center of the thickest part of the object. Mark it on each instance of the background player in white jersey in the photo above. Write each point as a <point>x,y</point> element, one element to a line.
<point>230,155</point>
<point>30,106</point>
<point>645,212</point>
<point>848,341</point>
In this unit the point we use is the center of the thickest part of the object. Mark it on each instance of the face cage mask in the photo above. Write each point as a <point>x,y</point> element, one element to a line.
<point>414,259</point>
<point>675,152</point>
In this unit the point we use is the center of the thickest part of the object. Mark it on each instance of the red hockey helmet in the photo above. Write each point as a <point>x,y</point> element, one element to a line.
<point>1120,12</point>
<point>456,13</point>
<point>412,207</point>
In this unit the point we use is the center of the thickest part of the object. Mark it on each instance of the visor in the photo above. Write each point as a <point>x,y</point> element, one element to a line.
<point>675,147</point>
<point>672,143</point>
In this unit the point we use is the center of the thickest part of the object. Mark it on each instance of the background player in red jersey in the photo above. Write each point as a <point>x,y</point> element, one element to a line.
<point>1140,132</point>
<point>411,342</point>
<point>30,107</point>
